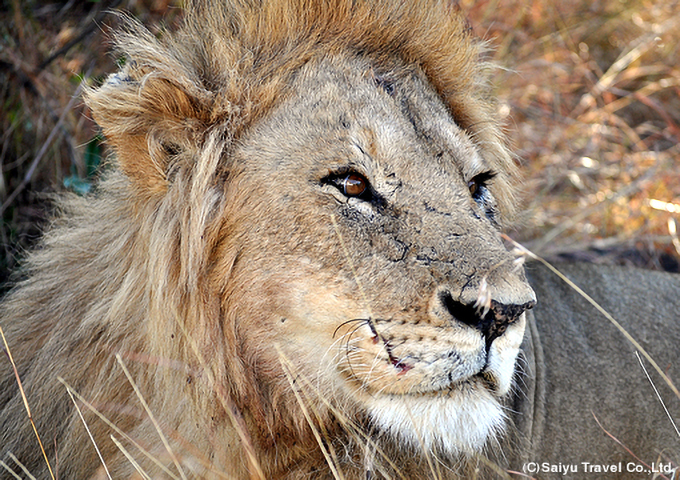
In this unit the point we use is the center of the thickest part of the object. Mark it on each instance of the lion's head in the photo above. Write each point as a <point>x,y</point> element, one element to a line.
<point>370,254</point>
<point>313,194</point>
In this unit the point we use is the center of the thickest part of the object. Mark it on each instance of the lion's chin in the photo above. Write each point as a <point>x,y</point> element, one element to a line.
<point>458,422</point>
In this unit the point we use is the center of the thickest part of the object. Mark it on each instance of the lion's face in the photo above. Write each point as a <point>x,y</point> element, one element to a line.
<point>371,257</point>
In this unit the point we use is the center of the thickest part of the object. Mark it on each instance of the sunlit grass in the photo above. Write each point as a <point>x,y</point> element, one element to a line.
<point>590,93</point>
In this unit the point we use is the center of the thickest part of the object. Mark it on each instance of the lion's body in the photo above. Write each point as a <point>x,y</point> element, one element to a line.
<point>297,255</point>
<point>584,378</point>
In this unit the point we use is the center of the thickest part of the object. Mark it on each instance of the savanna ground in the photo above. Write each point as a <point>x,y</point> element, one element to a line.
<point>589,91</point>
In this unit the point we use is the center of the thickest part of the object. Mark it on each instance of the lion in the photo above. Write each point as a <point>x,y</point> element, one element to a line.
<point>293,268</point>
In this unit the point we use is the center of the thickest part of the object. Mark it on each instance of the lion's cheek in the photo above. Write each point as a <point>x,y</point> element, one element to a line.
<point>310,319</point>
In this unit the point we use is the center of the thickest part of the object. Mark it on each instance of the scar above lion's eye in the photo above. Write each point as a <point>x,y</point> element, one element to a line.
<point>385,84</point>
<point>354,185</point>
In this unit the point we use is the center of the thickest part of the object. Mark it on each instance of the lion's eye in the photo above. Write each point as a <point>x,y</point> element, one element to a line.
<point>477,183</point>
<point>354,185</point>
<point>473,185</point>
<point>351,184</point>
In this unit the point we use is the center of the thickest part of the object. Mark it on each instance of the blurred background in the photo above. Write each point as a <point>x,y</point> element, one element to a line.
<point>589,92</point>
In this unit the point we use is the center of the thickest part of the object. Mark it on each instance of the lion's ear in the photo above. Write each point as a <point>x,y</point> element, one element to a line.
<point>149,121</point>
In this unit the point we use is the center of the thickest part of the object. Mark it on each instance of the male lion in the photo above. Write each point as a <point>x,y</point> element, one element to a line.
<point>296,255</point>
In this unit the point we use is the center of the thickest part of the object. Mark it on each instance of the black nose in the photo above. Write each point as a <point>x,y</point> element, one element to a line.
<point>493,323</point>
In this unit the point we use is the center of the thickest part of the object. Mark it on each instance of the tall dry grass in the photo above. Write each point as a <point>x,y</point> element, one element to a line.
<point>590,92</point>
<point>48,140</point>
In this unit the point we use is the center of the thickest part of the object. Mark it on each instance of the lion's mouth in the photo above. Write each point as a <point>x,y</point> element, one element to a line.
<point>484,376</point>
<point>422,365</point>
<point>401,365</point>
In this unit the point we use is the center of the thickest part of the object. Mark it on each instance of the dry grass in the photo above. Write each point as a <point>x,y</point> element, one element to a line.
<point>46,50</point>
<point>589,90</point>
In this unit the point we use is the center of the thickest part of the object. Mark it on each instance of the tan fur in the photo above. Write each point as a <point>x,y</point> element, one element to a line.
<point>215,260</point>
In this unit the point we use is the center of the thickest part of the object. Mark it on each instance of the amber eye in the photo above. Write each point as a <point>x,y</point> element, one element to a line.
<point>473,185</point>
<point>477,183</point>
<point>354,185</point>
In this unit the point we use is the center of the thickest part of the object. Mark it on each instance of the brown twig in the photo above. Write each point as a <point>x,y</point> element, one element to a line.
<point>92,25</point>
<point>43,150</point>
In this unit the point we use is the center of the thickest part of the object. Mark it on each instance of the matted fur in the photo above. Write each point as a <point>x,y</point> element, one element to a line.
<point>154,264</point>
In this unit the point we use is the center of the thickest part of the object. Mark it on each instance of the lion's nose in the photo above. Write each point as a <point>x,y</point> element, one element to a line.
<point>491,321</point>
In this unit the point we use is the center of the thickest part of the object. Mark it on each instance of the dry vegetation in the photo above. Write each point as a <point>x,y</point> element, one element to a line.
<point>589,90</point>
